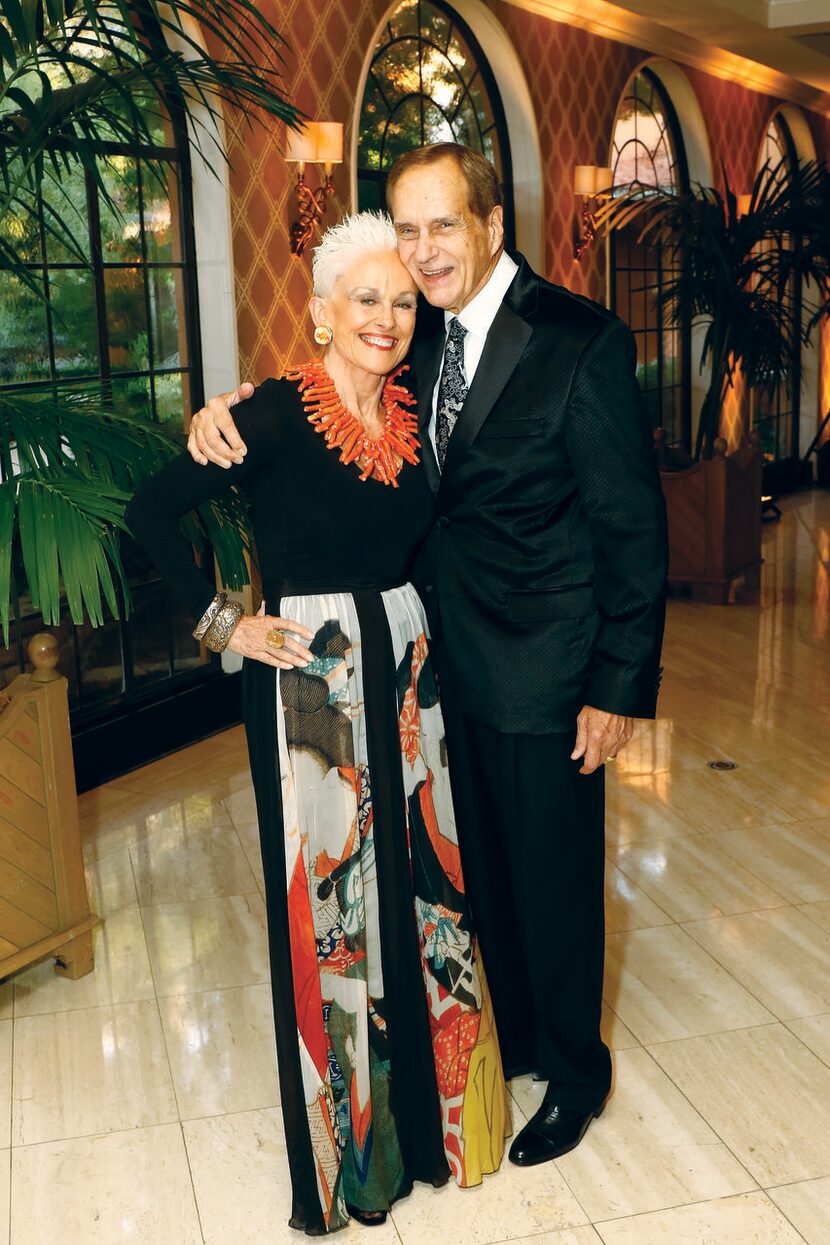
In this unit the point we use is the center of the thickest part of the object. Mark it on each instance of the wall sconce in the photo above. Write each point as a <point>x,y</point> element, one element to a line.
<point>321,142</point>
<point>591,182</point>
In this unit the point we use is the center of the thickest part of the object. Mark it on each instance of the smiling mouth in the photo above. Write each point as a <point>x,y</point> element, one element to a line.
<point>379,342</point>
<point>435,274</point>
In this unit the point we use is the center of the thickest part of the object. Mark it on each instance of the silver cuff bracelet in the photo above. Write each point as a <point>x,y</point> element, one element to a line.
<point>201,628</point>
<point>223,626</point>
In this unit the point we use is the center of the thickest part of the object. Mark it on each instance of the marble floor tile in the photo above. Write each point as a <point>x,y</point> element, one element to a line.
<point>794,860</point>
<point>110,883</point>
<point>131,1186</point>
<point>241,806</point>
<point>181,863</point>
<point>807,1206</point>
<point>660,746</point>
<point>764,1093</point>
<point>513,1203</point>
<point>793,782</point>
<point>585,1235</point>
<point>207,944</point>
<point>121,973</point>
<point>248,832</point>
<point>639,809</point>
<point>711,801</point>
<point>818,912</point>
<point>615,1034</point>
<point>243,1192</point>
<point>693,878</point>
<point>5,1195</point>
<point>627,906</point>
<point>137,818</point>
<point>814,1031</point>
<point>781,956</point>
<point>649,1150</point>
<point>222,1050</point>
<point>92,1071</point>
<point>5,1083</point>
<point>750,1219</point>
<point>662,986</point>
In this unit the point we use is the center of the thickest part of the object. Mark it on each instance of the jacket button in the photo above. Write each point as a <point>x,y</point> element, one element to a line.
<point>429,587</point>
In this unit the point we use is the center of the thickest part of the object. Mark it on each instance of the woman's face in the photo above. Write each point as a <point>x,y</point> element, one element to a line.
<point>371,312</point>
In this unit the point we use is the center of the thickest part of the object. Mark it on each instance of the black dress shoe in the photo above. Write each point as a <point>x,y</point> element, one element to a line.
<point>369,1218</point>
<point>552,1131</point>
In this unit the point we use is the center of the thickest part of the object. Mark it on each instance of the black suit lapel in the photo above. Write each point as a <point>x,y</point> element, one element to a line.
<point>509,334</point>
<point>426,357</point>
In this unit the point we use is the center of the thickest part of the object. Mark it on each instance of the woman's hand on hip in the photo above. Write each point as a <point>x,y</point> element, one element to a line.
<point>250,639</point>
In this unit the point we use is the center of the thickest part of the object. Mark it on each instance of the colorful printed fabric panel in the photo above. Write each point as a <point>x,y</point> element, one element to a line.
<point>334,923</point>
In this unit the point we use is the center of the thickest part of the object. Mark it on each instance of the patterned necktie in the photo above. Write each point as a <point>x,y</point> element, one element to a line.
<point>452,389</point>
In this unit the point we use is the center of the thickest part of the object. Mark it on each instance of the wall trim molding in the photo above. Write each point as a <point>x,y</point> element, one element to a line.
<point>611,22</point>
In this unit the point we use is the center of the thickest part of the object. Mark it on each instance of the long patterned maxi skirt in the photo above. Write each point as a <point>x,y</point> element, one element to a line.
<point>388,1057</point>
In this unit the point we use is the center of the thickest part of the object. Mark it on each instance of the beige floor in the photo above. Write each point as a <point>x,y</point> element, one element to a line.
<point>140,1104</point>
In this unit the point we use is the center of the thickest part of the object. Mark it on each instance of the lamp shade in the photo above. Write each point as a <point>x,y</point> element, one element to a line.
<point>329,142</point>
<point>302,146</point>
<point>584,175</point>
<point>603,180</point>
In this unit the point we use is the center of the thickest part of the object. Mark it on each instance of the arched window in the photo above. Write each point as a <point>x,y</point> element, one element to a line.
<point>119,323</point>
<point>647,148</point>
<point>429,82</point>
<point>776,415</point>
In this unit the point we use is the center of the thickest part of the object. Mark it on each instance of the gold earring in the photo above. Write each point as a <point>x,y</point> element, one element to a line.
<point>323,335</point>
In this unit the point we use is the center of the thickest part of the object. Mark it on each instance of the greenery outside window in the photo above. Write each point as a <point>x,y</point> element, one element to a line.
<point>429,82</point>
<point>120,322</point>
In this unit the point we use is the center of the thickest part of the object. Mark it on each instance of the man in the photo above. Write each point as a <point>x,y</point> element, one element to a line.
<point>544,575</point>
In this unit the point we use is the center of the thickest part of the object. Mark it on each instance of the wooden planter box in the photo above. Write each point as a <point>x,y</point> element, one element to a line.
<point>44,908</point>
<point>714,515</point>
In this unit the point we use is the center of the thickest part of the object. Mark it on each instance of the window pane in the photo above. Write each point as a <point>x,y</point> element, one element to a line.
<point>150,630</point>
<point>120,224</point>
<point>126,319</point>
<point>132,396</point>
<point>24,348</point>
<point>161,224</point>
<point>67,201</point>
<point>74,322</point>
<point>172,398</point>
<point>99,655</point>
<point>166,288</point>
<point>21,230</point>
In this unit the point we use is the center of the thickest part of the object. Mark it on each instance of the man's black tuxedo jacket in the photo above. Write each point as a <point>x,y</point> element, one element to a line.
<point>545,572</point>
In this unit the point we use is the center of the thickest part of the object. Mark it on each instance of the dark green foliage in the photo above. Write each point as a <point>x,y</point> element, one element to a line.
<point>737,273</point>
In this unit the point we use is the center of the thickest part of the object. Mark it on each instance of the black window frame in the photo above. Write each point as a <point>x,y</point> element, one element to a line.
<point>482,70</point>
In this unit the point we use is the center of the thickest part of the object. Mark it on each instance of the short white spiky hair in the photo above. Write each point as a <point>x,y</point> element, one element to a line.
<point>359,234</point>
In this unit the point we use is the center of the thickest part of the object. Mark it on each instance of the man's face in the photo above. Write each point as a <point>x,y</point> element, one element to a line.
<point>449,252</point>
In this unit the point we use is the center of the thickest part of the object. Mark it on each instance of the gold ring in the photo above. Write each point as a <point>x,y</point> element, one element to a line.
<point>275,638</point>
<point>611,758</point>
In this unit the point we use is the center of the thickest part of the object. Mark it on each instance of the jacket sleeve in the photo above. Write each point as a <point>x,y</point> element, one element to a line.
<point>611,451</point>
<point>154,512</point>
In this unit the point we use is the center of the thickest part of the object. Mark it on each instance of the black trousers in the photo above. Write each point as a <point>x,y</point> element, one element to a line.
<point>531,829</point>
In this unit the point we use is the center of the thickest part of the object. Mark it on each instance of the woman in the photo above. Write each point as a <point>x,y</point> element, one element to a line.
<point>388,1059</point>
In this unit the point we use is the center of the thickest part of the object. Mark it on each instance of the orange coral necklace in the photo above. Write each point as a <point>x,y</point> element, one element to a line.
<point>382,458</point>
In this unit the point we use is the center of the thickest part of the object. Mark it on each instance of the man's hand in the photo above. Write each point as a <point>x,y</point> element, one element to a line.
<point>213,435</point>
<point>599,736</point>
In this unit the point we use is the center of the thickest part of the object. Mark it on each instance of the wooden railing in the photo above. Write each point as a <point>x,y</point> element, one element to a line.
<point>44,908</point>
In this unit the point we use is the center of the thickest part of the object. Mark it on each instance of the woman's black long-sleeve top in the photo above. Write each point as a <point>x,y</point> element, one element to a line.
<point>316,525</point>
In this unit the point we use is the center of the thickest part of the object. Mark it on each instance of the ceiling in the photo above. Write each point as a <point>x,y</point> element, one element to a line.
<point>778,46</point>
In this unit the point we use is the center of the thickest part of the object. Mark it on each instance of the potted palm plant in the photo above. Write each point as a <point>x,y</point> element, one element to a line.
<point>739,269</point>
<point>77,80</point>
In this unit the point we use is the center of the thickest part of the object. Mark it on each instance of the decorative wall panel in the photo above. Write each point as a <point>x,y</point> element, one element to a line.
<point>576,78</point>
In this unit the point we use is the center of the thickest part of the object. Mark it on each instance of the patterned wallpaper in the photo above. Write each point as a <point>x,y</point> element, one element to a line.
<point>576,78</point>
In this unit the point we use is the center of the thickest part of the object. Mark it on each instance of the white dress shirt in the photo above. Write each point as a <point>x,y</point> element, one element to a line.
<point>477,317</point>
